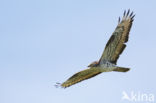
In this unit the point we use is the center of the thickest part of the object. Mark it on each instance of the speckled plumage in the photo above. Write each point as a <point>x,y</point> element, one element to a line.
<point>112,51</point>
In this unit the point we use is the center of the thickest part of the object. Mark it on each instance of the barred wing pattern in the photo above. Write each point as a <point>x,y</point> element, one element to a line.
<point>116,43</point>
<point>82,75</point>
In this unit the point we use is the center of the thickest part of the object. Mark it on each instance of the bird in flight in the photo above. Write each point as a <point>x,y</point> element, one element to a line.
<point>108,61</point>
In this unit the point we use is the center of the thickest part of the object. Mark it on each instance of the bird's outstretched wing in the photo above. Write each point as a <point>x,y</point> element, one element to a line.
<point>116,43</point>
<point>80,76</point>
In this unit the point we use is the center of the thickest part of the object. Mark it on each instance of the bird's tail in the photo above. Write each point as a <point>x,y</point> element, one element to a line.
<point>82,75</point>
<point>121,69</point>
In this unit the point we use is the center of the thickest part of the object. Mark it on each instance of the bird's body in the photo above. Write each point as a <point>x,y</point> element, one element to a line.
<point>112,51</point>
<point>106,66</point>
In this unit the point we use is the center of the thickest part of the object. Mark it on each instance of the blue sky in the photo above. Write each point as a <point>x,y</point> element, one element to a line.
<point>46,41</point>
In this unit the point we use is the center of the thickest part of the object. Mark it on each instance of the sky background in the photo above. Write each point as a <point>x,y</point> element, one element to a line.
<point>46,41</point>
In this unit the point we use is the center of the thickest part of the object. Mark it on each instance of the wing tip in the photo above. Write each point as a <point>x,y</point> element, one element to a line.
<point>119,20</point>
<point>57,85</point>
<point>128,15</point>
<point>61,85</point>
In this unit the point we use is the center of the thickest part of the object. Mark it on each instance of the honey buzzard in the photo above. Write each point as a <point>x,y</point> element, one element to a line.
<point>112,51</point>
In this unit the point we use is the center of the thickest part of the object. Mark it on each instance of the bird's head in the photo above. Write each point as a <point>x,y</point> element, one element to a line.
<point>93,64</point>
